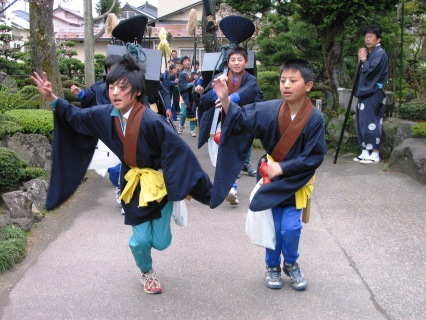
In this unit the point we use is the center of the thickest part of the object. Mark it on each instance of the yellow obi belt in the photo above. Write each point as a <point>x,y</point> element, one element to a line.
<point>153,187</point>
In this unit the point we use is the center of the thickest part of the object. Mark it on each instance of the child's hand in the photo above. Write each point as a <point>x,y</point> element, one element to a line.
<point>44,86</point>
<point>75,89</point>
<point>274,170</point>
<point>220,85</point>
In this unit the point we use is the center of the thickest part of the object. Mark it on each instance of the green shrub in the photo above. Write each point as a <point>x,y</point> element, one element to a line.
<point>8,126</point>
<point>13,243</point>
<point>413,110</point>
<point>11,168</point>
<point>34,121</point>
<point>419,130</point>
<point>69,83</point>
<point>28,92</point>
<point>33,173</point>
<point>70,96</point>
<point>32,103</point>
<point>8,99</point>
<point>269,82</point>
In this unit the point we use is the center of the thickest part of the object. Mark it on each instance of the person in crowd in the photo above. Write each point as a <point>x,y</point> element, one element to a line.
<point>243,90</point>
<point>186,84</point>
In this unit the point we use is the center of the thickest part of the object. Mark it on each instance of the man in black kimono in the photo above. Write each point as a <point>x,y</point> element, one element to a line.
<point>371,98</point>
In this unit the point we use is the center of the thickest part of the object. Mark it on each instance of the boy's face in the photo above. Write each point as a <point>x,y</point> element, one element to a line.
<point>237,64</point>
<point>178,67</point>
<point>293,87</point>
<point>186,64</point>
<point>120,96</point>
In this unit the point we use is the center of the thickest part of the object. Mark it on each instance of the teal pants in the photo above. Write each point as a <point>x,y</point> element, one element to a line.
<point>183,113</point>
<point>151,234</point>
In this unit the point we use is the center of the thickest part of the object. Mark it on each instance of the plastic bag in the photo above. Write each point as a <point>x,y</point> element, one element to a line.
<point>260,226</point>
<point>180,213</point>
<point>212,145</point>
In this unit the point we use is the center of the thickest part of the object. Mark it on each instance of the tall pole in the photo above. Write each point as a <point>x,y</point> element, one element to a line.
<point>401,63</point>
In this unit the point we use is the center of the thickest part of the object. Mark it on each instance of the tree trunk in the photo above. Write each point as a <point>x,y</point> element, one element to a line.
<point>208,38</point>
<point>334,63</point>
<point>42,42</point>
<point>89,45</point>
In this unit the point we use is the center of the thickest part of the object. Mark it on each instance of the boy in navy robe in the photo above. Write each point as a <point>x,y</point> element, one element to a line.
<point>292,132</point>
<point>152,156</point>
<point>243,90</point>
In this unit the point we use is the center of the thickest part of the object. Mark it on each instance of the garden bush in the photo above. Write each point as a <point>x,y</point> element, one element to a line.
<point>8,99</point>
<point>419,130</point>
<point>30,173</point>
<point>413,110</point>
<point>13,243</point>
<point>34,121</point>
<point>11,168</point>
<point>269,82</point>
<point>8,126</point>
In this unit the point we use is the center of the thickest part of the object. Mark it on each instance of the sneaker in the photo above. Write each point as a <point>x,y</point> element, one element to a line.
<point>122,212</point>
<point>273,278</point>
<point>180,128</point>
<point>364,154</point>
<point>232,197</point>
<point>298,281</point>
<point>150,282</point>
<point>192,132</point>
<point>248,168</point>
<point>117,195</point>
<point>371,159</point>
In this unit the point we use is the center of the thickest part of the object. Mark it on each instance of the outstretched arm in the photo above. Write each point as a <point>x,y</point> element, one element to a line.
<point>44,86</point>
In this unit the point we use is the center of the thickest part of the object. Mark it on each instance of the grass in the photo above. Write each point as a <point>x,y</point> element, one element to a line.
<point>13,241</point>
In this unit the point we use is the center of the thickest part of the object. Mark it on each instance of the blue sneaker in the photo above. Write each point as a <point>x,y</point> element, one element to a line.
<point>273,278</point>
<point>298,281</point>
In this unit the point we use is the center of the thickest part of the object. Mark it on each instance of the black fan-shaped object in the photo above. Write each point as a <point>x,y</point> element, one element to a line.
<point>236,28</point>
<point>131,29</point>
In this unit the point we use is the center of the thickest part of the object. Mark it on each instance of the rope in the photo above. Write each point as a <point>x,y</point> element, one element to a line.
<point>135,50</point>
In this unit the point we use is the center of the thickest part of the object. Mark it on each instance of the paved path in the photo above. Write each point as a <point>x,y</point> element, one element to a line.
<point>363,253</point>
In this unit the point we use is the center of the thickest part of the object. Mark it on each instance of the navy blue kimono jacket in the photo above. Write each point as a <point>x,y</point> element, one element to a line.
<point>158,147</point>
<point>260,120</point>
<point>373,71</point>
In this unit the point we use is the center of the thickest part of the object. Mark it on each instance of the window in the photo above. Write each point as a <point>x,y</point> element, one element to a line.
<point>190,53</point>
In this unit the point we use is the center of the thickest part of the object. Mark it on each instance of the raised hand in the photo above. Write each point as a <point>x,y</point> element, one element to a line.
<point>220,86</point>
<point>44,86</point>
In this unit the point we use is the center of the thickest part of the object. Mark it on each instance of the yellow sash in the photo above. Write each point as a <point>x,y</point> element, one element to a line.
<point>152,185</point>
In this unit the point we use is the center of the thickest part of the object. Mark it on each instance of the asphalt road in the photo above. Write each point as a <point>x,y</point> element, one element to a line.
<point>363,252</point>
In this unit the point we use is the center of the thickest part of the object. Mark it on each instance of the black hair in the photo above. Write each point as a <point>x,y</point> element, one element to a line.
<point>111,60</point>
<point>185,58</point>
<point>374,29</point>
<point>171,67</point>
<point>236,50</point>
<point>299,64</point>
<point>131,72</point>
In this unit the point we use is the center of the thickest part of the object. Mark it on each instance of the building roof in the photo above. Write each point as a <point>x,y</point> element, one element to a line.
<point>171,14</point>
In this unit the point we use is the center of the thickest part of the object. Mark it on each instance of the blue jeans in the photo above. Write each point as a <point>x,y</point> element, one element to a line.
<point>183,113</point>
<point>288,228</point>
<point>151,234</point>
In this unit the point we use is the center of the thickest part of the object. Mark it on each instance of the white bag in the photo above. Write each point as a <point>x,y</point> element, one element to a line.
<point>213,147</point>
<point>180,213</point>
<point>260,226</point>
